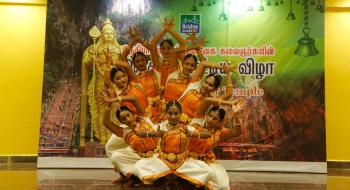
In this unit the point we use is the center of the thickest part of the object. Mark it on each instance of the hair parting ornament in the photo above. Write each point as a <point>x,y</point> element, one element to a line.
<point>173,103</point>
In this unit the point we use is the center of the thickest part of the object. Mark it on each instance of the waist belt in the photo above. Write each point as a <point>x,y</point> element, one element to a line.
<point>146,154</point>
<point>172,160</point>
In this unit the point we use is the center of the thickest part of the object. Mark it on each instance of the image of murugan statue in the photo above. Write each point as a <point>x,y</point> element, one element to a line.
<point>95,60</point>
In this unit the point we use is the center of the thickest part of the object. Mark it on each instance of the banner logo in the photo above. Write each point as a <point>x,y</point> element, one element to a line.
<point>189,23</point>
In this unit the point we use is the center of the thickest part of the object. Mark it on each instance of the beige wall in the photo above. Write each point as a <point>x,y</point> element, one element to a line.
<point>21,71</point>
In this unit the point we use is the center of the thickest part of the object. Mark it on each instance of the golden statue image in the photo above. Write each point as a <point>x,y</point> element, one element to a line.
<point>94,59</point>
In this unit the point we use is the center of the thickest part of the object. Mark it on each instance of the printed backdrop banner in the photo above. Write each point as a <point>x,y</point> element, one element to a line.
<point>277,47</point>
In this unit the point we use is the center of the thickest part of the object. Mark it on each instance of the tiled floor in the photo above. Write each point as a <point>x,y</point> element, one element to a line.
<point>100,179</point>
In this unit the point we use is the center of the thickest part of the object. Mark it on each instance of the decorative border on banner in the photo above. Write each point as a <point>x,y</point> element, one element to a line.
<point>230,165</point>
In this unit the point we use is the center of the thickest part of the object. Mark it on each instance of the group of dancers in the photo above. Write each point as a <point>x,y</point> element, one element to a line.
<point>166,121</point>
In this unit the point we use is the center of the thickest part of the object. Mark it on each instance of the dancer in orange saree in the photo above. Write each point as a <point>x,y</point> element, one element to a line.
<point>196,92</point>
<point>120,86</point>
<point>148,79</point>
<point>173,154</point>
<point>168,61</point>
<point>130,124</point>
<point>202,149</point>
<point>178,81</point>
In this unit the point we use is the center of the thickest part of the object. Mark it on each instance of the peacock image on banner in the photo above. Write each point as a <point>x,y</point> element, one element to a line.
<point>274,50</point>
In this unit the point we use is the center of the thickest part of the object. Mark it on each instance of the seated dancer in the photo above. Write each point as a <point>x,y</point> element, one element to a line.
<point>173,154</point>
<point>124,159</point>
<point>202,149</point>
